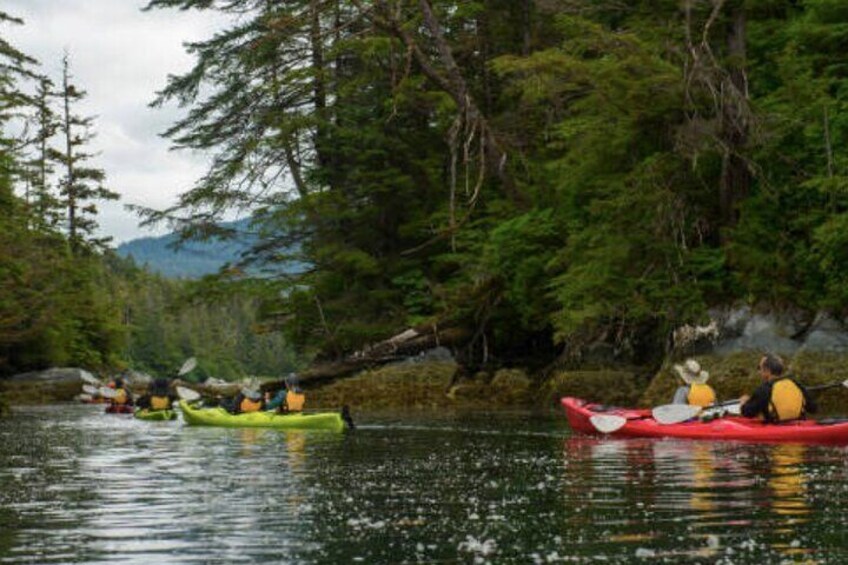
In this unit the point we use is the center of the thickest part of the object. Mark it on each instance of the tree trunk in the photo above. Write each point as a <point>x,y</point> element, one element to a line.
<point>396,348</point>
<point>735,175</point>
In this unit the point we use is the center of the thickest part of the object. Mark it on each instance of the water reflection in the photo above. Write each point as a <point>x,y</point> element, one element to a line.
<point>79,486</point>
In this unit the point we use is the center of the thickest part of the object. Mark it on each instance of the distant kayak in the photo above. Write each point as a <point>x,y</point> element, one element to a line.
<point>155,415</point>
<point>640,423</point>
<point>220,417</point>
<point>119,409</point>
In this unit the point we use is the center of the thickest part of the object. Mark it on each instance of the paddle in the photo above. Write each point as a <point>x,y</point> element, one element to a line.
<point>666,414</point>
<point>676,413</point>
<point>609,423</point>
<point>187,367</point>
<point>187,394</point>
<point>90,390</point>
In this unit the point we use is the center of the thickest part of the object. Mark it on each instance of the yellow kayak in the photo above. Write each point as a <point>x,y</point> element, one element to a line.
<point>219,417</point>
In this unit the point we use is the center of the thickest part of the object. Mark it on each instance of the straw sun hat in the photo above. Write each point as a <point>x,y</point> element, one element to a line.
<point>691,373</point>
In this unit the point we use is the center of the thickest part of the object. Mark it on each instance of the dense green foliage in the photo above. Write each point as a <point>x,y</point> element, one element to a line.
<point>568,172</point>
<point>64,299</point>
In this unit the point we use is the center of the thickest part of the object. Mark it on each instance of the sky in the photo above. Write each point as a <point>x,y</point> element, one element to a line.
<point>121,57</point>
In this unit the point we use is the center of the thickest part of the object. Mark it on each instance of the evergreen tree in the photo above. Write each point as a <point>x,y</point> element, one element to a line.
<point>81,186</point>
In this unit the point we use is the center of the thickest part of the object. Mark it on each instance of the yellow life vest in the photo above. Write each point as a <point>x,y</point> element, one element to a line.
<point>701,395</point>
<point>248,405</point>
<point>787,401</point>
<point>295,401</point>
<point>121,396</point>
<point>160,402</point>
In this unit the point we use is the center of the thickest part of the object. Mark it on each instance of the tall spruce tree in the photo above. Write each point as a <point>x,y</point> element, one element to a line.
<point>81,186</point>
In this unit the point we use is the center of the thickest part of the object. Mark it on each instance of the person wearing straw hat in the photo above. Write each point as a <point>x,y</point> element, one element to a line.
<point>695,391</point>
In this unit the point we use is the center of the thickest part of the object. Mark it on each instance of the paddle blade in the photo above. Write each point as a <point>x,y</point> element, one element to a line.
<point>187,367</point>
<point>187,394</point>
<point>607,423</point>
<point>107,392</point>
<point>90,390</point>
<point>674,413</point>
<point>734,409</point>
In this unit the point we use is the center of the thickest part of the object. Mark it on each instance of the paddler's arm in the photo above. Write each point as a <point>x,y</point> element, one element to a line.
<point>810,406</point>
<point>758,403</point>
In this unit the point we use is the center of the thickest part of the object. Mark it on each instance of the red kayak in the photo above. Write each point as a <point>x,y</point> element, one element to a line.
<point>119,409</point>
<point>729,428</point>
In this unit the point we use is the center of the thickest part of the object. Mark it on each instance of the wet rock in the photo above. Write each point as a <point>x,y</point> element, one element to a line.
<point>55,375</point>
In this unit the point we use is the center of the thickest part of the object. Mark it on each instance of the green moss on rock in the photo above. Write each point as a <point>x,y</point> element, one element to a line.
<point>621,388</point>
<point>419,385</point>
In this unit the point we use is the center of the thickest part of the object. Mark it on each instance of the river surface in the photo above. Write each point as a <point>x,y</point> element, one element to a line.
<point>79,486</point>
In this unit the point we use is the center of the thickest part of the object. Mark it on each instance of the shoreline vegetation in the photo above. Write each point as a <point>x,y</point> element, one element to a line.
<point>435,386</point>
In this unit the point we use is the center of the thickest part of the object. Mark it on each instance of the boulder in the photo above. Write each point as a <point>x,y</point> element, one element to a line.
<point>56,375</point>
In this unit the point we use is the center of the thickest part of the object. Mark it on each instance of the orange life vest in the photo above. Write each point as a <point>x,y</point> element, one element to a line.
<point>701,395</point>
<point>160,402</point>
<point>295,401</point>
<point>787,401</point>
<point>248,405</point>
<point>121,396</point>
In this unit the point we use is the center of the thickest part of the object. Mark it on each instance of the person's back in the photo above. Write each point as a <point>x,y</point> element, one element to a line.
<point>158,396</point>
<point>779,398</point>
<point>121,396</point>
<point>696,391</point>
<point>248,401</point>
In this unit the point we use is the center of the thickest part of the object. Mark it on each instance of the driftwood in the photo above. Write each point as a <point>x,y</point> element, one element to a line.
<point>396,348</point>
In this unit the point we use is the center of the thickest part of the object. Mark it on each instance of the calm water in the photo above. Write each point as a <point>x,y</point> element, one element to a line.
<point>80,486</point>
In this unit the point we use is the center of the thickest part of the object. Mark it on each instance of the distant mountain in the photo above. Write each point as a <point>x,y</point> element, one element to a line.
<point>191,260</point>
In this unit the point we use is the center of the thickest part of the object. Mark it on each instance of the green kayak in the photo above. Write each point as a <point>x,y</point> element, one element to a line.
<point>220,417</point>
<point>155,415</point>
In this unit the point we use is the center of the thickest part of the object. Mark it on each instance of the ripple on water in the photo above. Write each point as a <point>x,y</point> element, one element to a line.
<point>82,486</point>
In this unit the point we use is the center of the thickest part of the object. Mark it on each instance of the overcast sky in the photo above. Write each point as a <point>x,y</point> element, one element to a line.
<point>121,56</point>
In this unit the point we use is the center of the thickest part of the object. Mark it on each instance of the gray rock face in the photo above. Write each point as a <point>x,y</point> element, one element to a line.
<point>786,333</point>
<point>57,375</point>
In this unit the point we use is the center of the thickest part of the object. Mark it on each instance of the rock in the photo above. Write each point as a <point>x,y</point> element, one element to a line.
<point>436,355</point>
<point>55,375</point>
<point>621,388</point>
<point>826,335</point>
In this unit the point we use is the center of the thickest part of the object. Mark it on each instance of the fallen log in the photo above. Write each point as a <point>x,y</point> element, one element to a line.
<point>396,348</point>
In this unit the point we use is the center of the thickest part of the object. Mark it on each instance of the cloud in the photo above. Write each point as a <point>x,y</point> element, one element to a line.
<point>120,56</point>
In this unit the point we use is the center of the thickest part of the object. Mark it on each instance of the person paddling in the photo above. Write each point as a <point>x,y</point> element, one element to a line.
<point>290,398</point>
<point>247,400</point>
<point>779,398</point>
<point>122,396</point>
<point>158,396</point>
<point>696,391</point>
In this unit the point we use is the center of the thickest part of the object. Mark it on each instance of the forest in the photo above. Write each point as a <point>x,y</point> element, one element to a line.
<point>546,175</point>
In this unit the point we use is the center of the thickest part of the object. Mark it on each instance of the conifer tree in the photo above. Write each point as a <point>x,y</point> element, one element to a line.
<point>81,186</point>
